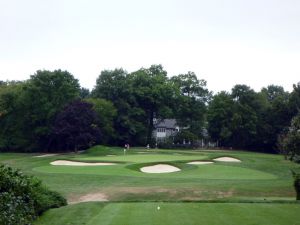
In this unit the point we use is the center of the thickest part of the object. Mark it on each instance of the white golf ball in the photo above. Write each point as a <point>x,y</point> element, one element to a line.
<point>158,208</point>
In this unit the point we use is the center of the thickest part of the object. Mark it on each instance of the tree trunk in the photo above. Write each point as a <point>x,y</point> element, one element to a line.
<point>297,186</point>
<point>150,127</point>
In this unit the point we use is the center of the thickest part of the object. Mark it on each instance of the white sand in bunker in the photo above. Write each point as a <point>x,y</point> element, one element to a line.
<point>160,168</point>
<point>200,163</point>
<point>227,159</point>
<point>44,155</point>
<point>73,163</point>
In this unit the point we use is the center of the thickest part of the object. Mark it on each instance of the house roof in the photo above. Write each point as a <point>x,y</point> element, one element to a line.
<point>166,123</point>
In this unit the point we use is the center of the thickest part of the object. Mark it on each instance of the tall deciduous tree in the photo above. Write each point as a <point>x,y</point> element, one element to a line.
<point>294,100</point>
<point>115,86</point>
<point>76,127</point>
<point>273,116</point>
<point>190,106</point>
<point>106,113</point>
<point>29,108</point>
<point>219,117</point>
<point>45,95</point>
<point>154,94</point>
<point>12,132</point>
<point>290,142</point>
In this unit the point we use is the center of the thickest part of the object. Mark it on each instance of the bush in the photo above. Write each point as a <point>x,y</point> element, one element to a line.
<point>297,184</point>
<point>23,198</point>
<point>289,143</point>
<point>185,136</point>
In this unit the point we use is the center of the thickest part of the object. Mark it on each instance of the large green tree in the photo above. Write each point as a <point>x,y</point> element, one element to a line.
<point>290,142</point>
<point>12,132</point>
<point>29,108</point>
<point>190,108</point>
<point>106,113</point>
<point>294,100</point>
<point>154,94</point>
<point>219,118</point>
<point>273,116</point>
<point>45,95</point>
<point>115,86</point>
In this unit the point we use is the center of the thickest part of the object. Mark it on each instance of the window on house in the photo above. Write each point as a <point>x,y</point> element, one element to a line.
<point>161,130</point>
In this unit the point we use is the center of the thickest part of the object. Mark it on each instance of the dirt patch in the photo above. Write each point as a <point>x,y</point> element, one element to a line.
<point>166,194</point>
<point>227,159</point>
<point>154,192</point>
<point>200,163</point>
<point>44,155</point>
<point>160,168</point>
<point>91,197</point>
<point>73,163</point>
<point>225,194</point>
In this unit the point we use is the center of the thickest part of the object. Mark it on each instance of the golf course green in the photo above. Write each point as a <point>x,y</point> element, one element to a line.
<point>256,190</point>
<point>174,213</point>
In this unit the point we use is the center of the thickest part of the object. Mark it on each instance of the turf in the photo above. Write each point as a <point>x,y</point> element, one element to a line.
<point>196,172</point>
<point>144,158</point>
<point>174,213</point>
<point>258,176</point>
<point>134,195</point>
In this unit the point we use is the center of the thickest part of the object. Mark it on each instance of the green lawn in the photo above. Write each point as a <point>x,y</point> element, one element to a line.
<point>188,172</point>
<point>144,157</point>
<point>258,178</point>
<point>174,213</point>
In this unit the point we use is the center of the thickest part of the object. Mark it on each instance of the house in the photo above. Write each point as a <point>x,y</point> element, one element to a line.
<point>163,129</point>
<point>168,128</point>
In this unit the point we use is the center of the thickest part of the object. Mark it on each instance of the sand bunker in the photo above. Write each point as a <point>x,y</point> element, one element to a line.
<point>93,197</point>
<point>199,163</point>
<point>72,163</point>
<point>45,155</point>
<point>160,168</point>
<point>227,159</point>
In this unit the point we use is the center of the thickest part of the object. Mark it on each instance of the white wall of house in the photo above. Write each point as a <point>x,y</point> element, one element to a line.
<point>161,133</point>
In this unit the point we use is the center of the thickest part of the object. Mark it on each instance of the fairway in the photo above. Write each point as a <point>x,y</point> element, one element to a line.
<point>258,188</point>
<point>174,213</point>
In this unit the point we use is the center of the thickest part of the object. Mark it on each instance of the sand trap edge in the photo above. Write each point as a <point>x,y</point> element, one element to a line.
<point>160,168</point>
<point>226,159</point>
<point>200,163</point>
<point>73,163</point>
<point>45,155</point>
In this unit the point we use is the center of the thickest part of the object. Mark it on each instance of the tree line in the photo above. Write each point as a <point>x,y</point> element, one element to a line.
<point>52,112</point>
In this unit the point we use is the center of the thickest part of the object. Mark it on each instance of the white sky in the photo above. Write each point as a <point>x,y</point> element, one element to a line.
<point>225,42</point>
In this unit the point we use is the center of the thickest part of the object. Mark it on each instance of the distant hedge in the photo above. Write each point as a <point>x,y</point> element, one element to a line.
<point>23,198</point>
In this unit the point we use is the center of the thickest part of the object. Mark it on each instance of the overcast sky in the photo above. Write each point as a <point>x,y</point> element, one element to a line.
<point>225,42</point>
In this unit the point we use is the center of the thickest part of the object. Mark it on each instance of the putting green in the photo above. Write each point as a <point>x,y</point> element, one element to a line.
<point>144,158</point>
<point>212,171</point>
<point>174,213</point>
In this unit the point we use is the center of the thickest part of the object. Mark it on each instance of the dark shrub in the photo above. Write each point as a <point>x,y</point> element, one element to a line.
<point>23,198</point>
<point>296,175</point>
